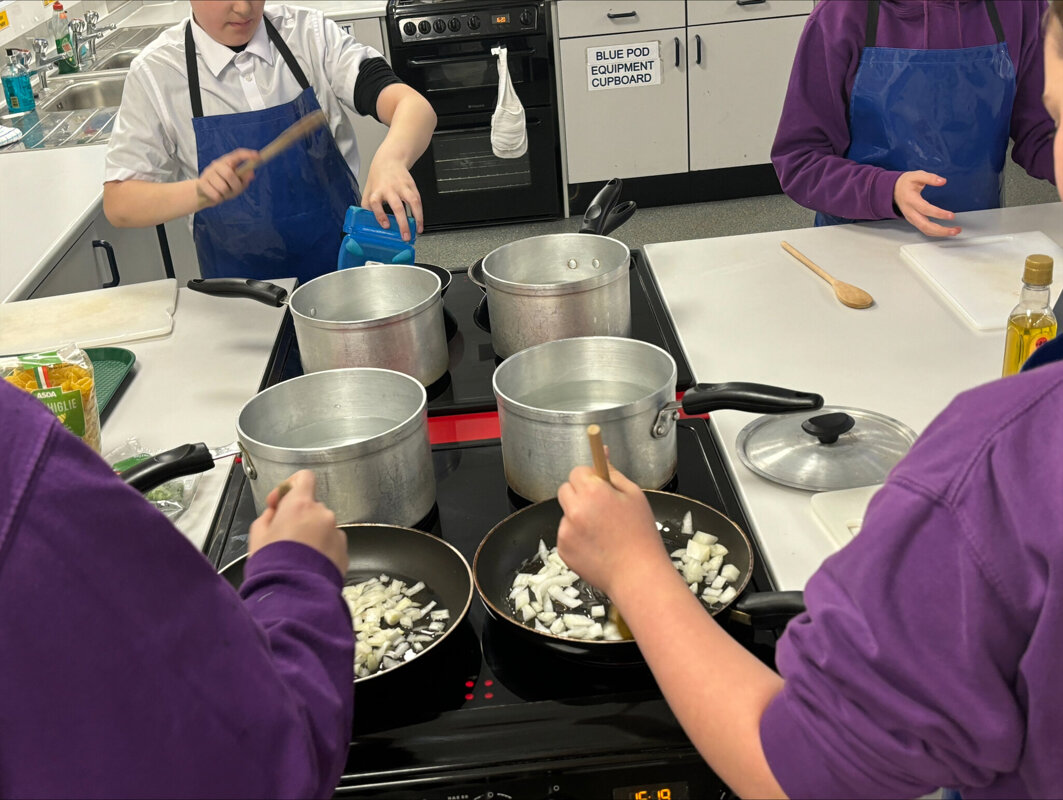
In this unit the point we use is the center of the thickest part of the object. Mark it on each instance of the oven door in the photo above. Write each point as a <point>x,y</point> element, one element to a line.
<point>462,77</point>
<point>462,182</point>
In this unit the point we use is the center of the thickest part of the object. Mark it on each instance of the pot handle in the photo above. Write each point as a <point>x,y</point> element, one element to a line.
<point>755,397</point>
<point>269,293</point>
<point>618,216</point>
<point>765,610</point>
<point>188,459</point>
<point>598,211</point>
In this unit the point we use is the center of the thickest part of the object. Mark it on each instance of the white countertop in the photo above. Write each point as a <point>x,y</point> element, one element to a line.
<point>190,386</point>
<point>745,310</point>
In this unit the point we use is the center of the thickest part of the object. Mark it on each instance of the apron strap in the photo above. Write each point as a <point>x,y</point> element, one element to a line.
<point>994,20</point>
<point>871,32</point>
<point>193,69</point>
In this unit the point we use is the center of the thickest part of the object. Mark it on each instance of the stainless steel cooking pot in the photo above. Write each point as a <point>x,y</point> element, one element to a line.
<point>362,432</point>
<point>388,316</point>
<point>548,394</point>
<point>557,286</point>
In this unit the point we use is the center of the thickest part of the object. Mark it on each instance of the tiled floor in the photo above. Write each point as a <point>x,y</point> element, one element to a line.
<point>454,249</point>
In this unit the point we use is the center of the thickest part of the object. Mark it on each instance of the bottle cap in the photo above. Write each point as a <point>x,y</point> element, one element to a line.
<point>57,6</point>
<point>1038,270</point>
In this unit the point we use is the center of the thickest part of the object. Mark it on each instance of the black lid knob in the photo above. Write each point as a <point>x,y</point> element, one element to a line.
<point>828,427</point>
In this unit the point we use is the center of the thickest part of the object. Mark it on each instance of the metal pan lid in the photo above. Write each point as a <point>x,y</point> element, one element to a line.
<point>833,448</point>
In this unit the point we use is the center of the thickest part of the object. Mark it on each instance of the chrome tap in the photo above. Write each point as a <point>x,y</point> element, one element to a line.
<point>42,63</point>
<point>93,31</point>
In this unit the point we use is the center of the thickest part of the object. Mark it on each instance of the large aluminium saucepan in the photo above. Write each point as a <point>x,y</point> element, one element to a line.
<point>548,394</point>
<point>585,296</point>
<point>511,547</point>
<point>383,315</point>
<point>362,432</point>
<point>409,555</point>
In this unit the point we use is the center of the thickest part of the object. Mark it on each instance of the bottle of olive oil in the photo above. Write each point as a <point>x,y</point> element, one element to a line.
<point>1031,323</point>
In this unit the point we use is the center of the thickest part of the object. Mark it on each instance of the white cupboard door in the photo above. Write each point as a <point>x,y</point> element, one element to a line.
<point>737,89</point>
<point>77,271</point>
<point>631,130</point>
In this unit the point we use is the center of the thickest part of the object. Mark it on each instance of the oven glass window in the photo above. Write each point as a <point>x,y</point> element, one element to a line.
<point>464,162</point>
<point>476,74</point>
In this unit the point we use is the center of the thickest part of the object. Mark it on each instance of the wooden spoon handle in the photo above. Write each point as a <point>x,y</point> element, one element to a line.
<point>299,129</point>
<point>808,263</point>
<point>601,463</point>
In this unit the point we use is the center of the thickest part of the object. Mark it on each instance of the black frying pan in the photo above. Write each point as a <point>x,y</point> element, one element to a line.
<point>514,541</point>
<point>409,555</point>
<point>445,276</point>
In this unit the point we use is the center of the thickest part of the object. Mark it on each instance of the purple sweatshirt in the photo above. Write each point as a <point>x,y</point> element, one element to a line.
<point>813,136</point>
<point>931,651</point>
<point>128,667</point>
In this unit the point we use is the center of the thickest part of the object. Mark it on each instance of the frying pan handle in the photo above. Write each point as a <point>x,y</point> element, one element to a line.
<point>766,610</point>
<point>269,293</point>
<point>756,397</point>
<point>598,210</point>
<point>618,216</point>
<point>188,459</point>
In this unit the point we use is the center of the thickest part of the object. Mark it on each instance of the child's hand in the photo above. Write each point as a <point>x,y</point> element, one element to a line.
<point>219,181</point>
<point>298,517</point>
<point>389,181</point>
<point>908,197</point>
<point>606,529</point>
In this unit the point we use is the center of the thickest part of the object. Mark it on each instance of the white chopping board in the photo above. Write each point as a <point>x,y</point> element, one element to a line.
<point>981,277</point>
<point>841,513</point>
<point>89,319</point>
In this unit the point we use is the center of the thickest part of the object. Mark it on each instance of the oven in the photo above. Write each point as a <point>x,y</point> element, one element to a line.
<point>443,50</point>
<point>489,714</point>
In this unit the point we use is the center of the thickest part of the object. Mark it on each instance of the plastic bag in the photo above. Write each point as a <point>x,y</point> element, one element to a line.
<point>171,498</point>
<point>63,380</point>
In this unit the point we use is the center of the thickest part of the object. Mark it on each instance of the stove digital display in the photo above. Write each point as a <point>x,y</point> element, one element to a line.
<point>501,19</point>
<point>677,790</point>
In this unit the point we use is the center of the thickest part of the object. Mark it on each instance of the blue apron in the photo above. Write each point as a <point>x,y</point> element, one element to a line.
<point>289,220</point>
<point>943,111</point>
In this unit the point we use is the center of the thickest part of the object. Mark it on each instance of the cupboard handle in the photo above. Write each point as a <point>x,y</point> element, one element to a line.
<point>622,15</point>
<point>750,2</point>
<point>697,40</point>
<point>677,52</point>
<point>111,262</point>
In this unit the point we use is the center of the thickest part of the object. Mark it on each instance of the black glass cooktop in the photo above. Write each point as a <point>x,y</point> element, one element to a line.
<point>466,388</point>
<point>490,710</point>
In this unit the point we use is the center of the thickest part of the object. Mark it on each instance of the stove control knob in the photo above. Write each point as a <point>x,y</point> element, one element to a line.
<point>474,23</point>
<point>409,29</point>
<point>455,24</point>
<point>424,26</point>
<point>441,25</point>
<point>526,18</point>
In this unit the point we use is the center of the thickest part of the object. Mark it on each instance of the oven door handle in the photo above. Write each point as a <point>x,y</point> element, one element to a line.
<point>530,123</point>
<point>433,62</point>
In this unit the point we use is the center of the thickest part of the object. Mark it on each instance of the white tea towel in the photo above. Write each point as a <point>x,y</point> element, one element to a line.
<point>9,135</point>
<point>509,134</point>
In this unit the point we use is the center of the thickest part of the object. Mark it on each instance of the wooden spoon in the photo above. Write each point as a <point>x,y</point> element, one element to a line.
<point>847,294</point>
<point>601,467</point>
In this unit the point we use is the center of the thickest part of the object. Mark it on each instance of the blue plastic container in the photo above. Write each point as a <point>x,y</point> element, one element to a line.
<point>367,241</point>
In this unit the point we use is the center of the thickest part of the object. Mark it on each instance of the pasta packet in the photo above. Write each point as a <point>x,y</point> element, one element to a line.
<point>63,380</point>
<point>171,498</point>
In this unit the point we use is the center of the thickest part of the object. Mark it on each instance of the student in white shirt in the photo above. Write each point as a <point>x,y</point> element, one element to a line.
<point>207,93</point>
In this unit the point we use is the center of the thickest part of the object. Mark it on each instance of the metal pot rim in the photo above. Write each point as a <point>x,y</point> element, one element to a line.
<point>650,402</point>
<point>333,453</point>
<point>374,322</point>
<point>609,273</point>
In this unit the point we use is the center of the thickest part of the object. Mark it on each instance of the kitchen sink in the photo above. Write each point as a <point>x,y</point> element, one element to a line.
<point>96,92</point>
<point>118,59</point>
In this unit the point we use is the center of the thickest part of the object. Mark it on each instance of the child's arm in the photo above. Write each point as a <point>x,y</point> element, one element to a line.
<point>411,122</point>
<point>717,689</point>
<point>1032,129</point>
<point>139,204</point>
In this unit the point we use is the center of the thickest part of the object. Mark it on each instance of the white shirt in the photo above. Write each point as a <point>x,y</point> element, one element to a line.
<point>153,139</point>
